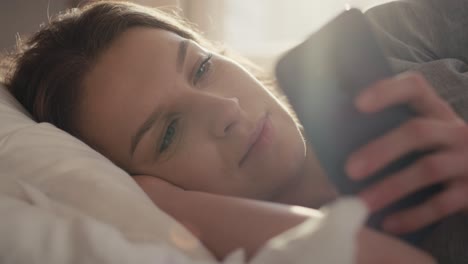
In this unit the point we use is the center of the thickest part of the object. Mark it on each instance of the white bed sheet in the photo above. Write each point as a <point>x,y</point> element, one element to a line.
<point>62,202</point>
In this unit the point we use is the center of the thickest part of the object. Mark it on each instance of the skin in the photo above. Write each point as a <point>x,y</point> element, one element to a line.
<point>437,128</point>
<point>196,210</point>
<point>214,116</point>
<point>212,108</point>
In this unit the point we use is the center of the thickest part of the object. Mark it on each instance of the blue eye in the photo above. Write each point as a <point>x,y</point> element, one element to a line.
<point>168,136</point>
<point>203,68</point>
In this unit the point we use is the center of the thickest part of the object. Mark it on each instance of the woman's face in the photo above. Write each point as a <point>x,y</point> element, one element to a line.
<point>158,104</point>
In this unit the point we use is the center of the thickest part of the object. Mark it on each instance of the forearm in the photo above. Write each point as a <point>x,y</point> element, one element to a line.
<point>222,223</point>
<point>375,247</point>
<point>225,224</point>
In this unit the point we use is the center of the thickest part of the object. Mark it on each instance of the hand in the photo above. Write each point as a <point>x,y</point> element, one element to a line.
<point>376,247</point>
<point>436,128</point>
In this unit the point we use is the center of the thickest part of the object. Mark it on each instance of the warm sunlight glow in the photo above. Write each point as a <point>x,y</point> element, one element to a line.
<point>306,211</point>
<point>182,239</point>
<point>262,29</point>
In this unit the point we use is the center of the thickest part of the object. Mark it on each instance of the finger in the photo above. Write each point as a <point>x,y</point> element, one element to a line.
<point>415,135</point>
<point>408,88</point>
<point>452,200</point>
<point>376,247</point>
<point>429,170</point>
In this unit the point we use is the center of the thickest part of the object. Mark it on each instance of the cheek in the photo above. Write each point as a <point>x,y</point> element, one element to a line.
<point>290,149</point>
<point>231,78</point>
<point>197,166</point>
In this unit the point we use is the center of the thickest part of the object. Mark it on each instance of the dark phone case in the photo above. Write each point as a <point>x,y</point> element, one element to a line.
<point>321,77</point>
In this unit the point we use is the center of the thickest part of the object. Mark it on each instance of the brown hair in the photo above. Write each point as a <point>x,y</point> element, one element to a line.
<point>46,73</point>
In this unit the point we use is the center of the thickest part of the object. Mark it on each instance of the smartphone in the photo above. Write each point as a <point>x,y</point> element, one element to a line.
<point>321,78</point>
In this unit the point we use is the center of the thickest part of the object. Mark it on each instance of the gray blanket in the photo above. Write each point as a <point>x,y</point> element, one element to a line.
<point>431,36</point>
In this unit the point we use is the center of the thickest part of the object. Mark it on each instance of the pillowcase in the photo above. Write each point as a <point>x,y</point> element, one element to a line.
<point>63,202</point>
<point>70,173</point>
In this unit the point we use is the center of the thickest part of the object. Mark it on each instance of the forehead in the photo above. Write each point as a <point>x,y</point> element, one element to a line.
<point>132,52</point>
<point>135,60</point>
<point>124,86</point>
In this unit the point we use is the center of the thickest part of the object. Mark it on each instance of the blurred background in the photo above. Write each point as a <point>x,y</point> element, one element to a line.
<point>258,29</point>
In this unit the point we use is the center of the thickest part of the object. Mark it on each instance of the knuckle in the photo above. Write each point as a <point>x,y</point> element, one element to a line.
<point>444,107</point>
<point>418,80</point>
<point>396,186</point>
<point>381,88</point>
<point>461,132</point>
<point>380,83</point>
<point>431,169</point>
<point>417,129</point>
<point>441,206</point>
<point>421,86</point>
<point>458,119</point>
<point>464,193</point>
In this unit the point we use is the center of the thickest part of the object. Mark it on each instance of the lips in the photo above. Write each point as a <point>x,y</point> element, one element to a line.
<point>254,138</point>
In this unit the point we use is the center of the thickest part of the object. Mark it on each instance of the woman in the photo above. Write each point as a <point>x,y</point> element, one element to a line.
<point>162,103</point>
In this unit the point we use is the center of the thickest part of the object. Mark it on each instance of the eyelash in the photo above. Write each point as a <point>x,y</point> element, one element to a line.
<point>170,131</point>
<point>204,68</point>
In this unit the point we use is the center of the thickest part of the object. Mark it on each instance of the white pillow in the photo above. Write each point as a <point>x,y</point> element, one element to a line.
<point>69,172</point>
<point>61,201</point>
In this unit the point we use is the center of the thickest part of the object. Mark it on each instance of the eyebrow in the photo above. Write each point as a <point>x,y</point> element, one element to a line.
<point>181,54</point>
<point>155,115</point>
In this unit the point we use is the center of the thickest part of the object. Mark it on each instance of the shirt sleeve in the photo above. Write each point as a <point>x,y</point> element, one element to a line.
<point>423,30</point>
<point>431,36</point>
<point>428,36</point>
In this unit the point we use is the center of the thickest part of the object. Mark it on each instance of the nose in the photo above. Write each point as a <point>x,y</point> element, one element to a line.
<point>225,115</point>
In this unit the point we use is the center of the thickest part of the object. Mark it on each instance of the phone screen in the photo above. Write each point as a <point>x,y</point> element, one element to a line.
<point>321,78</point>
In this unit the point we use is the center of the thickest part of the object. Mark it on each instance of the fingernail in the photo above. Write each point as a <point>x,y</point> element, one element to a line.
<point>392,226</point>
<point>356,168</point>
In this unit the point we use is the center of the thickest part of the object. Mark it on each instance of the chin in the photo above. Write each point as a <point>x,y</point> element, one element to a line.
<point>287,155</point>
<point>284,170</point>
